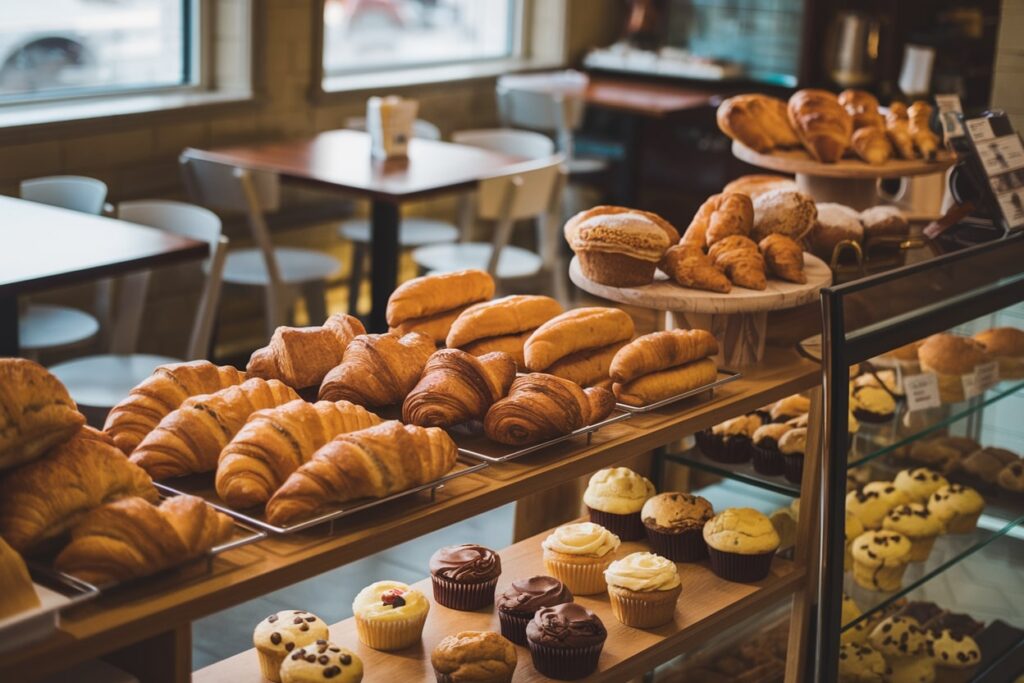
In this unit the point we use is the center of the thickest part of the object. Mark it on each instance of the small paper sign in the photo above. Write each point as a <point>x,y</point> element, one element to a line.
<point>987,375</point>
<point>922,391</point>
<point>971,386</point>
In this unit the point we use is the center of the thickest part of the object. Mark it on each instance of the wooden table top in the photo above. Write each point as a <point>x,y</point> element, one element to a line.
<point>44,246</point>
<point>646,99</point>
<point>341,159</point>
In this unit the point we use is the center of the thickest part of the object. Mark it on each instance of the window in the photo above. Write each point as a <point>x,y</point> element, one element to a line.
<point>375,35</point>
<point>62,48</point>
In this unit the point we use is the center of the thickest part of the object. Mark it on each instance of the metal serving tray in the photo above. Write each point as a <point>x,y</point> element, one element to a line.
<point>480,447</point>
<point>56,592</point>
<point>724,377</point>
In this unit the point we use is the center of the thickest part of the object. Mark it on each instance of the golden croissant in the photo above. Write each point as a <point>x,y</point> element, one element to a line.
<point>926,142</point>
<point>739,257</point>
<point>661,350</point>
<point>458,387</point>
<point>140,412</point>
<point>372,463</point>
<point>689,266</point>
<point>190,439</point>
<point>276,441</point>
<point>301,356</point>
<point>721,215</point>
<point>822,124</point>
<point>784,257</point>
<point>378,370</point>
<point>897,127</point>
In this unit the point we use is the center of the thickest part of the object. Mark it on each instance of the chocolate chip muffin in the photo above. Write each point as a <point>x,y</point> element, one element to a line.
<point>474,657</point>
<point>879,560</point>
<point>905,648</point>
<point>674,523</point>
<point>322,661</point>
<point>279,634</point>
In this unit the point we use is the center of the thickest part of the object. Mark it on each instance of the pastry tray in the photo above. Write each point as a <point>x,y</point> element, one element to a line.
<point>202,485</point>
<point>476,445</point>
<point>56,592</point>
<point>724,377</point>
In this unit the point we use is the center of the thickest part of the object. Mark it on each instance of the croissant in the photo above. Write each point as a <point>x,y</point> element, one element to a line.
<point>191,438</point>
<point>862,107</point>
<point>822,124</point>
<point>689,266</point>
<point>131,538</point>
<point>541,407</point>
<point>721,215</point>
<point>458,387</point>
<point>301,356</point>
<point>742,262</point>
<point>925,140</point>
<point>661,384</point>
<point>36,412</point>
<point>897,127</point>
<point>757,121</point>
<point>46,497</point>
<point>140,412</point>
<point>275,442</point>
<point>15,583</point>
<point>872,145</point>
<point>378,370</point>
<point>661,350</point>
<point>372,463</point>
<point>785,258</point>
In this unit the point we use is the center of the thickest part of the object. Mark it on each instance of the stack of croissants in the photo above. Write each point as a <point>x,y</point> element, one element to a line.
<point>829,127</point>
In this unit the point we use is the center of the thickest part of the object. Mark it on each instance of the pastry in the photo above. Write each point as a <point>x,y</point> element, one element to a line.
<point>1006,345</point>
<point>835,225</point>
<point>874,501</point>
<point>457,387</point>
<point>578,554</point>
<point>897,127</point>
<point>918,524</point>
<point>617,246</point>
<point>512,344</point>
<point>757,121</point>
<point>301,356</point>
<point>862,107</point>
<point>956,656</point>
<point>884,225</point>
<point>919,484</point>
<point>190,438</point>
<point>950,357</point>
<point>474,657</point>
<point>15,583</point>
<point>659,351</point>
<point>38,412</point>
<point>861,663</point>
<point>643,588</point>
<point>958,507</point>
<point>784,258</point>
<point>434,295</point>
<point>131,538</point>
<point>793,448</point>
<point>872,145</point>
<point>938,454</point>
<point>987,463</point>
<point>879,560</point>
<point>1011,477</point>
<point>784,212</point>
<point>742,262</point>
<point>614,497</point>
<point>767,457</point>
<point>881,379</point>
<point>507,316</point>
<point>690,267</point>
<point>286,633</point>
<point>540,407</point>
<point>662,384</point>
<point>275,442</point>
<point>784,520</point>
<point>741,544</point>
<point>674,523</point>
<point>322,660</point>
<point>720,216</point>
<point>435,327</point>
<point>371,463</point>
<point>589,367</point>
<point>565,641</point>
<point>872,404</point>
<point>389,615</point>
<point>521,600</point>
<point>378,370</point>
<point>925,141</point>
<point>729,441</point>
<point>581,329</point>
<point>757,184</point>
<point>464,576</point>
<point>821,123</point>
<point>786,409</point>
<point>165,390</point>
<point>905,648</point>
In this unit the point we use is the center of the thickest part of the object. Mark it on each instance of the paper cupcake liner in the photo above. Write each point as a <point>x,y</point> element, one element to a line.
<point>709,444</point>
<point>921,548</point>
<point>732,450</point>
<point>585,578</point>
<point>270,664</point>
<point>962,524</point>
<point>650,611</point>
<point>688,546</point>
<point>875,418</point>
<point>767,461</point>
<point>793,467</point>
<point>466,597</point>
<point>387,634</point>
<point>565,663</point>
<point>626,527</point>
<point>949,674</point>
<point>882,579</point>
<point>513,626</point>
<point>616,270</point>
<point>740,568</point>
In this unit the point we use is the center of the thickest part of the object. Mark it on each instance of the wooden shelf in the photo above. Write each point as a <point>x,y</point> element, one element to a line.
<point>708,605</point>
<point>799,161</point>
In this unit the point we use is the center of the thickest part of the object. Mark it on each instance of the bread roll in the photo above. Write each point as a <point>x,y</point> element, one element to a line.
<point>618,246</point>
<point>435,326</point>
<point>788,213</point>
<point>657,386</point>
<point>835,223</point>
<point>512,344</point>
<point>950,357</point>
<point>587,368</point>
<point>432,294</point>
<point>1006,344</point>
<point>661,350</point>
<point>508,315</point>
<point>577,330</point>
<point>756,184</point>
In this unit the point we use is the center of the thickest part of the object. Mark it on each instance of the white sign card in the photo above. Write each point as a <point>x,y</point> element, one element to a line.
<point>922,391</point>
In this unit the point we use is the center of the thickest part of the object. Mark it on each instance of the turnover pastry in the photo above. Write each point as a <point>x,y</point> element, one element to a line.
<point>301,356</point>
<point>784,258</point>
<point>430,304</point>
<point>457,387</point>
<point>541,407</point>
<point>582,329</point>
<point>822,124</point>
<point>378,370</point>
<point>501,325</point>
<point>720,216</point>
<point>758,121</point>
<point>659,365</point>
<point>689,266</point>
<point>618,246</point>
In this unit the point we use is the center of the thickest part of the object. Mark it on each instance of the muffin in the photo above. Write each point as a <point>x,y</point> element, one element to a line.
<point>882,379</point>
<point>873,404</point>
<point>879,560</point>
<point>614,498</point>
<point>860,663</point>
<point>741,544</point>
<point>522,599</point>
<point>643,588</point>
<point>729,441</point>
<point>565,641</point>
<point>390,615</point>
<point>578,554</point>
<point>785,522</point>
<point>281,633</point>
<point>918,524</point>
<point>919,484</point>
<point>986,463</point>
<point>474,657</point>
<point>1006,345</point>
<point>674,523</point>
<point>958,507</point>
<point>951,357</point>
<point>617,246</point>
<point>905,648</point>
<point>765,447</point>
<point>792,446</point>
<point>792,406</point>
<point>464,576</point>
<point>857,633</point>
<point>872,502</point>
<point>319,661</point>
<point>956,656</point>
<point>851,530</point>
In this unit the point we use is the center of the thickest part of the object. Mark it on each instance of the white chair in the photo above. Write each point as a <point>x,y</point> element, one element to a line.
<point>511,141</point>
<point>45,326</point>
<point>100,382</point>
<point>285,273</point>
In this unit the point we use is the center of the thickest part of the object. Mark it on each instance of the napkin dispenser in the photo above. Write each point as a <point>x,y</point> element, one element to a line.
<point>389,121</point>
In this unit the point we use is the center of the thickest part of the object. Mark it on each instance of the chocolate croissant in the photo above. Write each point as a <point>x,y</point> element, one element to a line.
<point>458,387</point>
<point>541,407</point>
<point>378,370</point>
<point>301,356</point>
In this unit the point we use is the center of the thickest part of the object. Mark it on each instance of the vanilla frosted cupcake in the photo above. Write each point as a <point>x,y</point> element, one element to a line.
<point>767,457</point>
<point>879,560</point>
<point>618,246</point>
<point>643,588</point>
<point>918,524</point>
<point>279,634</point>
<point>578,554</point>
<point>615,497</point>
<point>741,544</point>
<point>958,507</point>
<point>390,615</point>
<point>919,484</point>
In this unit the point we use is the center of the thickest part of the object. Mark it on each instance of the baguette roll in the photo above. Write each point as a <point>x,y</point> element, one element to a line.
<point>663,384</point>
<point>581,329</point>
<point>660,351</point>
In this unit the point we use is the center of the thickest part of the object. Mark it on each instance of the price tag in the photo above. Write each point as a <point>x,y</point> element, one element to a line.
<point>922,391</point>
<point>971,386</point>
<point>987,375</point>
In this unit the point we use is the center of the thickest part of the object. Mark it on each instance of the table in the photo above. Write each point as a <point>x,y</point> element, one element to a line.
<point>45,247</point>
<point>340,159</point>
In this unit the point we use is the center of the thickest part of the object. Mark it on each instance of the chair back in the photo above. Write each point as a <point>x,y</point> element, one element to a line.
<point>185,220</point>
<point>421,128</point>
<point>74,192</point>
<point>548,101</point>
<point>521,143</point>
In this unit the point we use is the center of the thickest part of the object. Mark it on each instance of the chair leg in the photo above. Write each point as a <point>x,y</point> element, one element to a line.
<point>315,294</point>
<point>355,279</point>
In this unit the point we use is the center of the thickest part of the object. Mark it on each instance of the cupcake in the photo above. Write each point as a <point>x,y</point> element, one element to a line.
<point>956,656</point>
<point>853,528</point>
<point>765,447</point>
<point>319,661</point>
<point>919,484</point>
<point>617,246</point>
<point>784,520</point>
<point>792,446</point>
<point>1006,345</point>
<point>279,634</point>
<point>643,588</point>
<point>872,502</point>
<point>790,407</point>
<point>578,554</point>
<point>565,641</point>
<point>474,657</point>
<point>464,576</point>
<point>729,441</point>
<point>860,663</point>
<point>741,544</point>
<point>958,507</point>
<point>951,357</point>
<point>390,615</point>
<point>674,523</point>
<point>905,648</point>
<point>522,599</point>
<point>958,623</point>
<point>918,524</point>
<point>872,404</point>
<point>879,560</point>
<point>614,498</point>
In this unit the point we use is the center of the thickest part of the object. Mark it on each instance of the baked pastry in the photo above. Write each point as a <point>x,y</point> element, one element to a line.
<point>131,538</point>
<point>784,258</point>
<point>720,216</point>
<point>862,107</point>
<point>15,583</point>
<point>756,184</point>
<point>166,389</point>
<point>956,656</point>
<point>689,266</point>
<point>275,442</point>
<point>301,356</point>
<point>661,384</point>
<point>958,507</point>
<point>986,463</point>
<point>464,576</point>
<point>785,212</point>
<point>741,544</point>
<point>729,441</point>
<point>880,559</point>
<point>872,145</point>
<point>378,370</point>
<point>512,344</point>
<point>321,660</point>
<point>741,260</point>
<point>425,304</point>
<point>1011,477</point>
<point>643,588</point>
<point>767,458</point>
<point>617,246</point>
<point>758,121</point>
<point>578,554</point>
<point>897,127</point>
<point>861,663</point>
<point>926,142</point>
<point>834,225</point>
<point>457,387</point>
<point>660,350</point>
<point>581,329</point>
<point>565,641</point>
<point>507,317</point>
<point>787,408</point>
<point>521,600</point>
<point>1006,345</point>
<point>919,484</point>
<point>674,524</point>
<point>589,367</point>
<point>190,438</point>
<point>390,615</point>
<point>950,357</point>
<point>918,524</point>
<point>905,648</point>
<point>38,412</point>
<point>884,223</point>
<point>793,449</point>
<point>872,404</point>
<point>822,124</point>
<point>44,498</point>
<point>286,633</point>
<point>614,497</point>
<point>474,657</point>
<point>540,407</point>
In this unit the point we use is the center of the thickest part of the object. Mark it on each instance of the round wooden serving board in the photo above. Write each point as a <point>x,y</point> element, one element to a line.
<point>799,161</point>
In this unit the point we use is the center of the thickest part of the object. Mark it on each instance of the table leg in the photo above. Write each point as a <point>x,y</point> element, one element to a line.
<point>9,325</point>
<point>384,222</point>
<point>631,166</point>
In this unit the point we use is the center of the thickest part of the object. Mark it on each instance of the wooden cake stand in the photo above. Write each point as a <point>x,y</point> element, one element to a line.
<point>739,319</point>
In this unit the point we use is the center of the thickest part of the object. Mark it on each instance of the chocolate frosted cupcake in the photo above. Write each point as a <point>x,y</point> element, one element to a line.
<point>464,576</point>
<point>521,600</point>
<point>765,447</point>
<point>729,441</point>
<point>614,497</point>
<point>565,641</point>
<point>675,525</point>
<point>741,544</point>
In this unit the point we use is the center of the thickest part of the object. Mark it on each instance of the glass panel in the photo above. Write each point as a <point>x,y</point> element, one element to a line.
<point>743,472</point>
